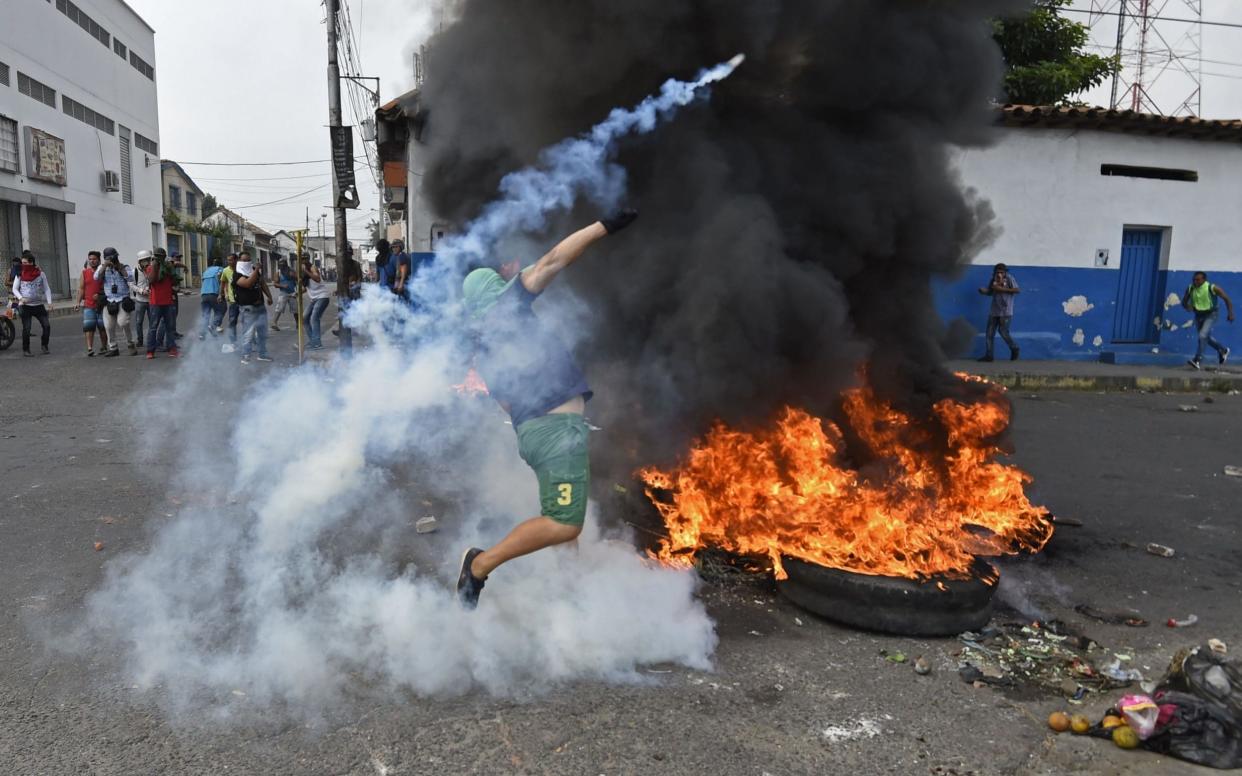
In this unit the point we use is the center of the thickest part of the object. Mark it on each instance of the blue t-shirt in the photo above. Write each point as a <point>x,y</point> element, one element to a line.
<point>386,271</point>
<point>211,281</point>
<point>523,360</point>
<point>287,283</point>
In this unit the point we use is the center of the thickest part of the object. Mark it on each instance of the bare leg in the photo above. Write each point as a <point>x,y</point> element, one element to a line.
<point>533,535</point>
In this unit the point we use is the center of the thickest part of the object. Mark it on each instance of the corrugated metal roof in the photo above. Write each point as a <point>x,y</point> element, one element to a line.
<point>1126,121</point>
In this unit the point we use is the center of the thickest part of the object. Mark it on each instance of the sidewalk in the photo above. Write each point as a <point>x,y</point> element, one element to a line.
<point>1094,376</point>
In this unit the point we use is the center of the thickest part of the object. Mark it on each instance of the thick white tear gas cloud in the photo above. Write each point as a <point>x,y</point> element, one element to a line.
<point>294,575</point>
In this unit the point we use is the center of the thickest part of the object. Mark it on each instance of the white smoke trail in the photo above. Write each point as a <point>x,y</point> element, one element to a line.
<point>574,168</point>
<point>294,575</point>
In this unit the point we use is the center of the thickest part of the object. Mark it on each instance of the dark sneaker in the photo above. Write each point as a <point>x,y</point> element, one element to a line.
<point>986,359</point>
<point>468,585</point>
<point>1224,356</point>
<point>1194,363</point>
<point>275,327</point>
<point>1013,354</point>
<point>90,354</point>
<point>47,352</point>
<point>112,354</point>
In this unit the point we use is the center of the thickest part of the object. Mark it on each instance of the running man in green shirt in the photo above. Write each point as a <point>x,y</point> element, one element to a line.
<point>1201,299</point>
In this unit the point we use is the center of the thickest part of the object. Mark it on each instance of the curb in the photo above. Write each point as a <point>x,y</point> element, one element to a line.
<point>1099,383</point>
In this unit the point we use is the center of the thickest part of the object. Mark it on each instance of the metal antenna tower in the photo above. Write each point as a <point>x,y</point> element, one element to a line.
<point>1160,58</point>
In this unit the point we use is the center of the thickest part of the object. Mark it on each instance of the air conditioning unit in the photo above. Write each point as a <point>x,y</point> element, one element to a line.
<point>111,180</point>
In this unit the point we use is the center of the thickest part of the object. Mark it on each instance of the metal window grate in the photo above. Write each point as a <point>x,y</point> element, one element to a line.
<point>4,74</point>
<point>146,144</point>
<point>141,65</point>
<point>36,90</point>
<point>86,115</point>
<point>119,48</point>
<point>174,197</point>
<point>127,175</point>
<point>9,155</point>
<point>89,25</point>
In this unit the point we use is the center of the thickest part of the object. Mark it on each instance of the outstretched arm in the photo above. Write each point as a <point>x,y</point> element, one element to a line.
<point>569,250</point>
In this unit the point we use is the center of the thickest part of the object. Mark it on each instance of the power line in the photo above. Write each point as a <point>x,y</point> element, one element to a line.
<point>1233,25</point>
<point>262,164</point>
<point>285,199</point>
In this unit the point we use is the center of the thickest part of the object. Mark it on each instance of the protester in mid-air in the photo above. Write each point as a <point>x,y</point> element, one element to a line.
<point>531,373</point>
<point>249,289</point>
<point>34,297</point>
<point>1002,289</point>
<point>1202,299</point>
<point>118,304</point>
<point>90,301</point>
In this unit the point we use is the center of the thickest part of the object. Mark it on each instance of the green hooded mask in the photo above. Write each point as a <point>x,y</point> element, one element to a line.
<point>482,289</point>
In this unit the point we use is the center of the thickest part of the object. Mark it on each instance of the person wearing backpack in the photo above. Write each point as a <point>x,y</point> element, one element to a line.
<point>118,304</point>
<point>1202,299</point>
<point>213,312</point>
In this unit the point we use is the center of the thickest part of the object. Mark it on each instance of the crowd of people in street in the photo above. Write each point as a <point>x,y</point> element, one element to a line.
<point>140,303</point>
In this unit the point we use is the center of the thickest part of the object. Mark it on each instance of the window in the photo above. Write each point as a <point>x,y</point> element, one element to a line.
<point>32,88</point>
<point>119,48</point>
<point>141,66</point>
<point>191,204</point>
<point>9,155</point>
<point>127,175</point>
<point>4,74</point>
<point>89,25</point>
<point>1156,173</point>
<point>150,146</point>
<point>174,197</point>
<point>86,115</point>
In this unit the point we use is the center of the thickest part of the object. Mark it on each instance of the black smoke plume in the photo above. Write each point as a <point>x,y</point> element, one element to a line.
<point>791,226</point>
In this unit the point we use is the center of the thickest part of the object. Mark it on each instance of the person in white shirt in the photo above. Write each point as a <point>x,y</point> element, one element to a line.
<point>140,290</point>
<point>116,278</point>
<point>320,295</point>
<point>32,291</point>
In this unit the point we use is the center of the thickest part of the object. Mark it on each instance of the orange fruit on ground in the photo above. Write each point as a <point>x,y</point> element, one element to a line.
<point>1111,722</point>
<point>1079,724</point>
<point>1059,721</point>
<point>1125,737</point>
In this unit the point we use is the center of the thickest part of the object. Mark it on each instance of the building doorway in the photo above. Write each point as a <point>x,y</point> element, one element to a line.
<point>1139,287</point>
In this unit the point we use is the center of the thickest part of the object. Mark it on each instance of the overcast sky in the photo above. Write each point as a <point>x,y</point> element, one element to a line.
<point>245,81</point>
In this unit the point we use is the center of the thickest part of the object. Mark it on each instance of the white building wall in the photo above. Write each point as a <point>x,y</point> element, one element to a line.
<point>42,42</point>
<point>1056,208</point>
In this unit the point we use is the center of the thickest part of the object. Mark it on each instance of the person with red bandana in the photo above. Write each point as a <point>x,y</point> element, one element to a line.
<point>34,296</point>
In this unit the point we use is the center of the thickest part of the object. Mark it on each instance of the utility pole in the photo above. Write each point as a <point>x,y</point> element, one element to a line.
<point>334,120</point>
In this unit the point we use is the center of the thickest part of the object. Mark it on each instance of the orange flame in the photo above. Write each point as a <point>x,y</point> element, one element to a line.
<point>472,385</point>
<point>919,510</point>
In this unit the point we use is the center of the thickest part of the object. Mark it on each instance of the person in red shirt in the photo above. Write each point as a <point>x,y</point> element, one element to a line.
<point>160,276</point>
<point>89,290</point>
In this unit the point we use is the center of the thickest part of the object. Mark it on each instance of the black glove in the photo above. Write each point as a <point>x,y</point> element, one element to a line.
<point>619,221</point>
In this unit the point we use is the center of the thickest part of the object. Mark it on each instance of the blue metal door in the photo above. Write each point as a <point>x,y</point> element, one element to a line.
<point>1138,287</point>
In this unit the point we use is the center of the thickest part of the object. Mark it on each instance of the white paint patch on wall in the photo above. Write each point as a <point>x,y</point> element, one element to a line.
<point>1079,337</point>
<point>1075,306</point>
<point>1098,341</point>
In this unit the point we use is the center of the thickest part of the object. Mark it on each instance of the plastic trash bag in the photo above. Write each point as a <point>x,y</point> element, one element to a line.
<point>1205,725</point>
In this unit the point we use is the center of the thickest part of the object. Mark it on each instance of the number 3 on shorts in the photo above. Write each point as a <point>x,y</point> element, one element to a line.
<point>566,490</point>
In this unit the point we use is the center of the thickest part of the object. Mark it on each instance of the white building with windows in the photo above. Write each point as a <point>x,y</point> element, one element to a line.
<point>79,134</point>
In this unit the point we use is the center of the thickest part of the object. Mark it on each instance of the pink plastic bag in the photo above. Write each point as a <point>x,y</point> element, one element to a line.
<point>1140,713</point>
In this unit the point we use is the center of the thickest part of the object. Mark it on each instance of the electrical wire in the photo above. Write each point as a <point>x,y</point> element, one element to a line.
<point>1233,25</point>
<point>263,164</point>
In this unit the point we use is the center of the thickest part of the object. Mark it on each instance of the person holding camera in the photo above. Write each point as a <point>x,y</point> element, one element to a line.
<point>139,291</point>
<point>249,290</point>
<point>160,280</point>
<point>118,304</point>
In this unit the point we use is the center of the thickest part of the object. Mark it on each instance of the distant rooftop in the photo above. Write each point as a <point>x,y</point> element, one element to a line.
<point>1123,121</point>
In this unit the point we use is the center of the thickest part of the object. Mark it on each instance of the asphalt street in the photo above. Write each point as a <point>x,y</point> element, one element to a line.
<point>790,694</point>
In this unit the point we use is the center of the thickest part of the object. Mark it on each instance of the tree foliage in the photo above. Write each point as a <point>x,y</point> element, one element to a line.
<point>1045,61</point>
<point>209,205</point>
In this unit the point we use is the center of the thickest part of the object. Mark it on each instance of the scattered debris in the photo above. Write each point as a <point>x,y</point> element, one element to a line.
<point>426,525</point>
<point>1059,521</point>
<point>1208,400</point>
<point>107,520</point>
<point>1124,617</point>
<point>921,666</point>
<point>620,488</point>
<point>893,657</point>
<point>1186,623</point>
<point>1233,471</point>
<point>861,728</point>
<point>1041,656</point>
<point>798,622</point>
<point>1161,550</point>
<point>1188,407</point>
<point>99,546</point>
<point>1217,646</point>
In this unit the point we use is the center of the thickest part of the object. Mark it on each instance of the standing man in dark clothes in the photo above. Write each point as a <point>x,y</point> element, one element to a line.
<point>250,290</point>
<point>34,297</point>
<point>531,373</point>
<point>1003,288</point>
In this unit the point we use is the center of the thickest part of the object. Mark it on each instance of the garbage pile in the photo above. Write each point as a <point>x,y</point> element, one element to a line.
<point>1194,713</point>
<point>1045,657</point>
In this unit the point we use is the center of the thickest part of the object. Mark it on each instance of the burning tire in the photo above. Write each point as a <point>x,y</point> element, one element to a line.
<point>937,607</point>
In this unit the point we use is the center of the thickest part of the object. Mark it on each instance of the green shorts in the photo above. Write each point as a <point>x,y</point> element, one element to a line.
<point>555,446</point>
